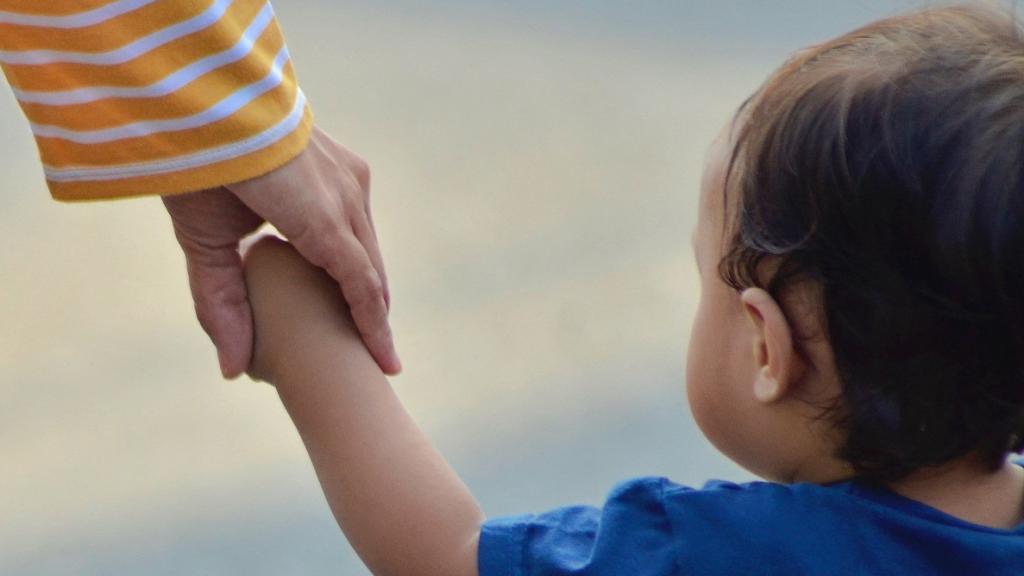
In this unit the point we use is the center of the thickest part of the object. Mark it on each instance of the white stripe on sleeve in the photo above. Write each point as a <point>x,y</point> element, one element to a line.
<point>79,20</point>
<point>165,86</point>
<point>195,160</point>
<point>218,111</point>
<point>207,18</point>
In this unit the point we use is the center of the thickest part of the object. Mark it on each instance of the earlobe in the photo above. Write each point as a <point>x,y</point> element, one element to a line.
<point>778,366</point>
<point>766,386</point>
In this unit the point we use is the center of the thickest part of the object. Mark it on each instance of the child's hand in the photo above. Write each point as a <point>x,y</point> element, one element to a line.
<point>292,300</point>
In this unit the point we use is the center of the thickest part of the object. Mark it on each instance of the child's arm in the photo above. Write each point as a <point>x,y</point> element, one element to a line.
<point>400,505</point>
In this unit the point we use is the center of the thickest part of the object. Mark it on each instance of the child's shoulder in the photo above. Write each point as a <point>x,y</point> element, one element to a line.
<point>804,506</point>
<point>750,505</point>
<point>652,525</point>
<point>647,526</point>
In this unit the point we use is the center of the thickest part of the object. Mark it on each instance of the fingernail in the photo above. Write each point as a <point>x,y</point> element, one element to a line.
<point>398,362</point>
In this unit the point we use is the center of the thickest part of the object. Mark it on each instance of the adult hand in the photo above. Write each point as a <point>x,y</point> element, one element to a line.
<point>320,201</point>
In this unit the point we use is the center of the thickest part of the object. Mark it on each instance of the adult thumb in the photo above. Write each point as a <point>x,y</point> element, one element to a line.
<point>222,305</point>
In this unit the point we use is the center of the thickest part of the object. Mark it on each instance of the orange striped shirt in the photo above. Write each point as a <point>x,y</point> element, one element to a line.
<point>135,97</point>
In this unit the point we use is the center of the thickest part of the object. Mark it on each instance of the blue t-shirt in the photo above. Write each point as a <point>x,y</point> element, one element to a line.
<point>653,527</point>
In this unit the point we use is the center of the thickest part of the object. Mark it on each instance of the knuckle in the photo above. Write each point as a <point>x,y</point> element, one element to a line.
<point>372,286</point>
<point>360,169</point>
<point>365,287</point>
<point>322,239</point>
<point>328,226</point>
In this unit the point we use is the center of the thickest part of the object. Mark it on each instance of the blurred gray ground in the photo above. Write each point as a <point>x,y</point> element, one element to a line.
<point>536,167</point>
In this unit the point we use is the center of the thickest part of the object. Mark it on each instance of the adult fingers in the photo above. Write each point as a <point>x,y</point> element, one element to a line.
<point>221,302</point>
<point>342,255</point>
<point>360,216</point>
<point>362,227</point>
<point>314,201</point>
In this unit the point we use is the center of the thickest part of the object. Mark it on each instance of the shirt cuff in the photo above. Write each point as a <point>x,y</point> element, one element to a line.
<point>237,165</point>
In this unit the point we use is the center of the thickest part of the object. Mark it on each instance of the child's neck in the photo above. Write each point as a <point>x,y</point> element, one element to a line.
<point>966,491</point>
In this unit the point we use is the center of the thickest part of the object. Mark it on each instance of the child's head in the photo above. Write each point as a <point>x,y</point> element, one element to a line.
<point>861,243</point>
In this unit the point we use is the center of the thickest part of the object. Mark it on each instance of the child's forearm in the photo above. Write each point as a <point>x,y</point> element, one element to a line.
<point>401,506</point>
<point>399,503</point>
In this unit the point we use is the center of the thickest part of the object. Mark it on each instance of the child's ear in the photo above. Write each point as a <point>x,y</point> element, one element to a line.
<point>779,367</point>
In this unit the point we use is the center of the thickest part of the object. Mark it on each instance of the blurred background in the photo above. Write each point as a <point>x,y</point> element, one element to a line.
<point>536,168</point>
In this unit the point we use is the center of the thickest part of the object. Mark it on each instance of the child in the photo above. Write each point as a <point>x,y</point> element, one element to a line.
<point>859,343</point>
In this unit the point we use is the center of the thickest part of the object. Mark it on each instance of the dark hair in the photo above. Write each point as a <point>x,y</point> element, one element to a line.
<point>887,167</point>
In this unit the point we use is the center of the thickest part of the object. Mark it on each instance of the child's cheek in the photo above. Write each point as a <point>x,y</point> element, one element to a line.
<point>700,371</point>
<point>717,362</point>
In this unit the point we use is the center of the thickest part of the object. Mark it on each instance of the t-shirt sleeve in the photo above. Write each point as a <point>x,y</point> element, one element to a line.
<point>133,97</point>
<point>630,534</point>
